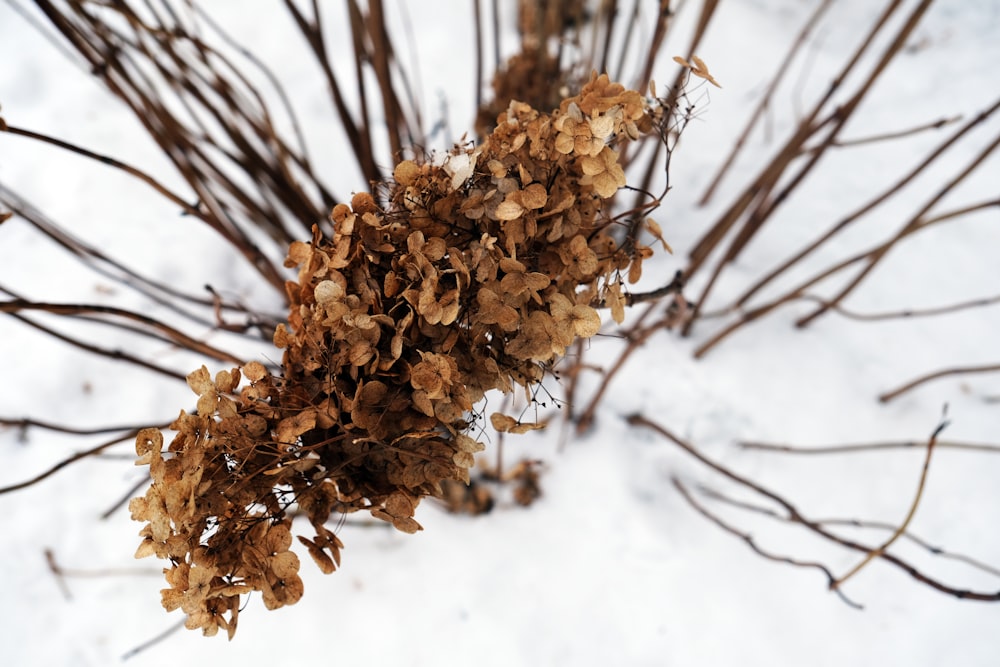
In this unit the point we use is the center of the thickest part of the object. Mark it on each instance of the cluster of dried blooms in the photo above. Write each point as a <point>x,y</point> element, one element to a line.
<point>470,275</point>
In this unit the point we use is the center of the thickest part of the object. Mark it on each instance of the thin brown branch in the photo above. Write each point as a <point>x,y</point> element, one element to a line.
<point>858,448</point>
<point>794,516</point>
<point>279,89</point>
<point>380,54</point>
<point>770,174</point>
<point>675,286</point>
<point>901,530</point>
<point>765,100</point>
<point>111,162</point>
<point>636,336</point>
<point>856,523</point>
<point>127,437</point>
<point>361,144</point>
<point>948,372</point>
<point>888,192</point>
<point>159,67</point>
<point>796,293</point>
<point>104,265</point>
<point>169,333</point>
<point>121,502</point>
<point>25,423</point>
<point>749,540</point>
<point>914,222</point>
<point>671,100</point>
<point>903,314</point>
<point>117,355</point>
<point>898,134</point>
<point>50,559</point>
<point>131,653</point>
<point>63,572</point>
<point>477,18</point>
<point>759,194</point>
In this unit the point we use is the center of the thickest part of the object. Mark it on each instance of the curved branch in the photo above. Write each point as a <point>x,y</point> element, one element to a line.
<point>889,395</point>
<point>794,516</point>
<point>168,333</point>
<point>72,459</point>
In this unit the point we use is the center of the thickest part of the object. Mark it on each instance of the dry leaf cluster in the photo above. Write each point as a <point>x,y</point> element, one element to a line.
<point>468,275</point>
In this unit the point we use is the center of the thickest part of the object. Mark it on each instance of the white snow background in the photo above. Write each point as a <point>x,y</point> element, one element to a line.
<point>611,565</point>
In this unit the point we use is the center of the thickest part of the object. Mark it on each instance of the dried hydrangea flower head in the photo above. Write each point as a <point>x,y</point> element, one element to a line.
<point>468,276</point>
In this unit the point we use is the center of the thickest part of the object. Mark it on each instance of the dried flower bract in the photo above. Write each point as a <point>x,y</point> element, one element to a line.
<point>464,277</point>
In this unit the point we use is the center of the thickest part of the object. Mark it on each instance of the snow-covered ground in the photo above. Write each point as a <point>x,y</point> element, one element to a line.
<point>611,566</point>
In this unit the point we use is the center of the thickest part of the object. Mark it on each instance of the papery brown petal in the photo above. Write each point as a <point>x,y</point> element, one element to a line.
<point>502,422</point>
<point>534,196</point>
<point>509,210</point>
<point>406,172</point>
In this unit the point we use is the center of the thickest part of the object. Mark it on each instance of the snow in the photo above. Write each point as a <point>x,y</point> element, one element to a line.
<point>611,566</point>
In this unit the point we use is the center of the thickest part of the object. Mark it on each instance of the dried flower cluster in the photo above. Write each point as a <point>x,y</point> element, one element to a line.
<point>470,275</point>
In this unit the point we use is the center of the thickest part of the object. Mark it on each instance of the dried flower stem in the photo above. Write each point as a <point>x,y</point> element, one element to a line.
<point>901,530</point>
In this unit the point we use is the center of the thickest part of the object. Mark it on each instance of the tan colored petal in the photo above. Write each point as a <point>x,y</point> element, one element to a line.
<point>509,210</point>
<point>534,196</point>
<point>406,172</point>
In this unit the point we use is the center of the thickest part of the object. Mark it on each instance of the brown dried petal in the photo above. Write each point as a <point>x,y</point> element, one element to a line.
<point>564,143</point>
<point>602,126</point>
<point>290,428</point>
<point>509,210</point>
<point>200,381</point>
<point>492,310</point>
<point>605,185</point>
<point>616,301</point>
<point>406,172</point>
<point>255,371</point>
<point>657,232</point>
<point>320,557</point>
<point>534,196</point>
<point>507,424</point>
<point>592,166</point>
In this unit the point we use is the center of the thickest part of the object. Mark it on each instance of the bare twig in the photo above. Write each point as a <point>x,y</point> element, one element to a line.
<point>948,372</point>
<point>856,523</point>
<point>886,194</point>
<point>757,201</point>
<point>131,653</point>
<point>28,422</point>
<point>765,100</point>
<point>149,324</point>
<point>913,223</point>
<point>746,537</point>
<point>794,516</point>
<point>867,447</point>
<point>898,134</point>
<point>904,314</point>
<point>636,336</point>
<point>796,293</point>
<point>875,553</point>
<point>115,354</point>
<point>130,435</point>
